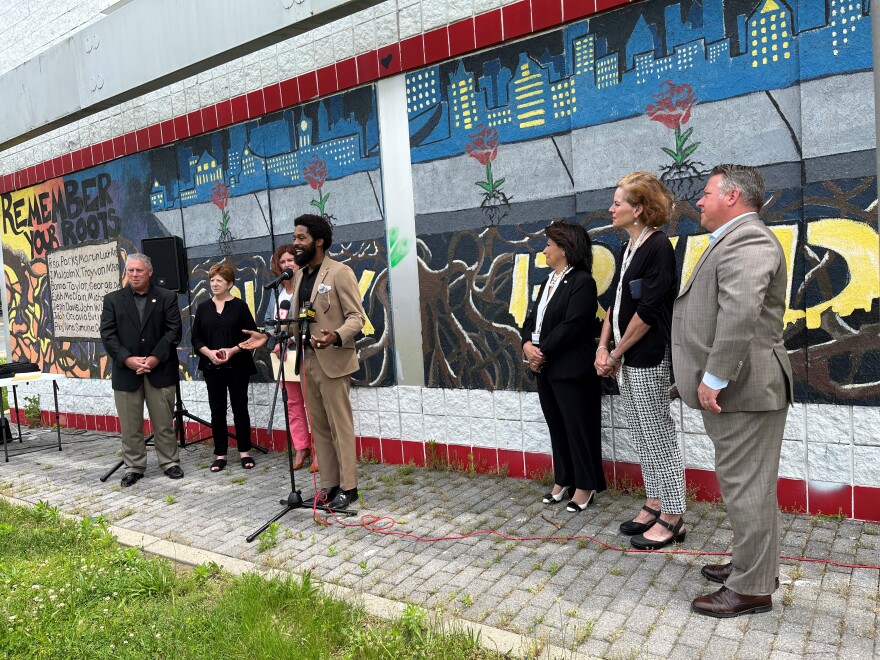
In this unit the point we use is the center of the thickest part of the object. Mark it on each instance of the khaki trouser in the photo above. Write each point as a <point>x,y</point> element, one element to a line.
<point>332,425</point>
<point>130,408</point>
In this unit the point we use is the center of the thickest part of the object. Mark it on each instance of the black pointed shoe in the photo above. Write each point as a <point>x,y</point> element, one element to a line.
<point>130,479</point>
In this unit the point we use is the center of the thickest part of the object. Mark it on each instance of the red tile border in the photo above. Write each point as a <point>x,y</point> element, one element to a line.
<point>485,460</point>
<point>392,451</point>
<point>194,119</point>
<point>389,59</point>
<point>546,14</point>
<point>209,119</point>
<point>436,454</point>
<point>181,127</point>
<point>436,45</point>
<point>537,465</point>
<point>627,476</point>
<point>289,92</point>
<point>371,448</point>
<point>412,52</point>
<point>461,37</point>
<point>155,135</point>
<point>829,498</point>
<point>327,82</point>
<point>459,456</point>
<point>143,139</point>
<point>866,503</point>
<point>239,108</point>
<point>368,67</point>
<point>308,86</point>
<point>516,19</point>
<point>413,452</point>
<point>346,74</point>
<point>791,495</point>
<point>167,130</point>
<point>224,114</point>
<point>511,463</point>
<point>256,104</point>
<point>704,482</point>
<point>272,98</point>
<point>487,28</point>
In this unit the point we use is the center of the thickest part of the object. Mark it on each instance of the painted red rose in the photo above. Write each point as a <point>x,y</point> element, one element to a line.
<point>315,172</point>
<point>220,195</point>
<point>483,145</point>
<point>674,103</point>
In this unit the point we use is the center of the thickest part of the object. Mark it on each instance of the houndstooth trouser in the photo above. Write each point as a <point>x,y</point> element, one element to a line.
<point>645,394</point>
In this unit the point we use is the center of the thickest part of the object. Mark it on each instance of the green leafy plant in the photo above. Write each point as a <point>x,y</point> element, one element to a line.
<point>32,410</point>
<point>269,538</point>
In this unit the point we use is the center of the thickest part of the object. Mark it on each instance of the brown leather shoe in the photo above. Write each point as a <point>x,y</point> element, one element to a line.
<point>720,572</point>
<point>724,604</point>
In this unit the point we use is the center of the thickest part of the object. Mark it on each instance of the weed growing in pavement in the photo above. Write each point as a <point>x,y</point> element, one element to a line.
<point>269,538</point>
<point>170,499</point>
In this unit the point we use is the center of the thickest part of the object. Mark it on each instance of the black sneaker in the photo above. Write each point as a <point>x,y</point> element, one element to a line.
<point>130,479</point>
<point>174,472</point>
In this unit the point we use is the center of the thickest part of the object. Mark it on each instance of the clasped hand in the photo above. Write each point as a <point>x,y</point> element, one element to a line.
<point>534,356</point>
<point>141,365</point>
<point>605,366</point>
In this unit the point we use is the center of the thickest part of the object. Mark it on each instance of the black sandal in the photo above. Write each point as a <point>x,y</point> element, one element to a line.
<point>631,527</point>
<point>641,543</point>
<point>247,462</point>
<point>218,465</point>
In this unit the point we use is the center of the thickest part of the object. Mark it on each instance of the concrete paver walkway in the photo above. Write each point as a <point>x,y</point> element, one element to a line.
<point>571,598</point>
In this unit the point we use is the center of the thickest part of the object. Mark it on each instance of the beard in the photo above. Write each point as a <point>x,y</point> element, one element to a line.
<point>303,258</point>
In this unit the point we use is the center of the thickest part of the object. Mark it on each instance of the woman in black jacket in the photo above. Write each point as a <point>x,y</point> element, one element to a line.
<point>559,343</point>
<point>216,334</point>
<point>634,347</point>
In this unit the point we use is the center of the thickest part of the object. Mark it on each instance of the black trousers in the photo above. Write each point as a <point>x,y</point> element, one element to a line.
<point>573,410</point>
<point>219,381</point>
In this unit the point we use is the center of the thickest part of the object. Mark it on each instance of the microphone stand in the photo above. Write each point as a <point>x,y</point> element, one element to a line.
<point>294,500</point>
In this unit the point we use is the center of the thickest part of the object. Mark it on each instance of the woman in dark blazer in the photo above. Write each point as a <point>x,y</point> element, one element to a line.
<point>216,334</point>
<point>634,347</point>
<point>559,343</point>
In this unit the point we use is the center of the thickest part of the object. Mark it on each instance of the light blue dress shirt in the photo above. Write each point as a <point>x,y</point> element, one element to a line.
<point>711,380</point>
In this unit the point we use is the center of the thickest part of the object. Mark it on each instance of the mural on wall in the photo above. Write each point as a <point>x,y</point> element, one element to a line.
<point>673,88</point>
<point>231,195</point>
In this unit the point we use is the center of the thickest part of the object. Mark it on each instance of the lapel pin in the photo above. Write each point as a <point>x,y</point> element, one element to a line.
<point>153,300</point>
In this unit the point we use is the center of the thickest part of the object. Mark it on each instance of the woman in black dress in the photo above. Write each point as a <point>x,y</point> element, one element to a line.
<point>216,333</point>
<point>559,343</point>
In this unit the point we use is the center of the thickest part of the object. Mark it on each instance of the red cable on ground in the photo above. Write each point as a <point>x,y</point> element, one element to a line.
<point>383,525</point>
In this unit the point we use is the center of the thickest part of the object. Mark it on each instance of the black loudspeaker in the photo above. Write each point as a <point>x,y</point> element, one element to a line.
<point>169,262</point>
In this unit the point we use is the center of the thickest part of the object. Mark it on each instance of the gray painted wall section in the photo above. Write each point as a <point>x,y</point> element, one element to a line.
<point>403,267</point>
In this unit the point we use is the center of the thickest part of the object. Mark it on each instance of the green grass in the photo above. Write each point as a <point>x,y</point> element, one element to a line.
<point>68,590</point>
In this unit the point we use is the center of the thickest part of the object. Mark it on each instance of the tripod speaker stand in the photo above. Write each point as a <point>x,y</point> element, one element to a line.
<point>294,499</point>
<point>180,413</point>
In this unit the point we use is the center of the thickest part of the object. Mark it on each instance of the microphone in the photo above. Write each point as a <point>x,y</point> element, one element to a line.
<point>307,313</point>
<point>285,275</point>
<point>284,312</point>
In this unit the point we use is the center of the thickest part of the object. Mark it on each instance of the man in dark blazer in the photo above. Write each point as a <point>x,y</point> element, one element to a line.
<point>731,364</point>
<point>140,329</point>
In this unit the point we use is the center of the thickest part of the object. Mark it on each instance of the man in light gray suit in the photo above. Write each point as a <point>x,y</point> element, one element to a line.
<point>730,363</point>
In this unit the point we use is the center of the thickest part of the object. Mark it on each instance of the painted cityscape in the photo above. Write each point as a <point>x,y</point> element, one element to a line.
<point>581,82</point>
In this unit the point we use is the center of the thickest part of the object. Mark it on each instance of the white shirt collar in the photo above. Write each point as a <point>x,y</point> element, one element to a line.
<point>715,234</point>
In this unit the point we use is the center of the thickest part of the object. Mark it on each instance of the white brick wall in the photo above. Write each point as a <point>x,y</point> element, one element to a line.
<point>838,444</point>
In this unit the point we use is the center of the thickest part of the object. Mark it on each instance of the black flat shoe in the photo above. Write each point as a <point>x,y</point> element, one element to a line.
<point>631,527</point>
<point>574,507</point>
<point>550,498</point>
<point>130,479</point>
<point>247,462</point>
<point>641,543</point>
<point>218,465</point>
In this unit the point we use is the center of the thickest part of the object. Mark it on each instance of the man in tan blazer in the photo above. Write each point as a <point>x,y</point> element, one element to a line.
<point>730,362</point>
<point>330,356</point>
